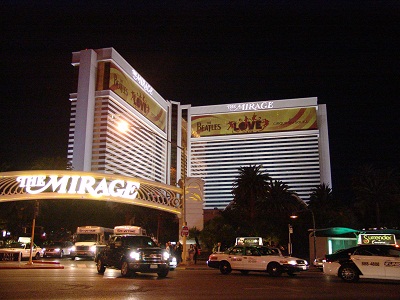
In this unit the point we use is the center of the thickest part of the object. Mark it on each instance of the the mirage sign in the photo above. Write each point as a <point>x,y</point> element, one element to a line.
<point>79,185</point>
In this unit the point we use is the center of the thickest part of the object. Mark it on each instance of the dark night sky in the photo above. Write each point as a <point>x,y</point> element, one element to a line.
<point>209,52</point>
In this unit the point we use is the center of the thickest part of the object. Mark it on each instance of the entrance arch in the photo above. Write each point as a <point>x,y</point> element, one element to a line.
<point>64,184</point>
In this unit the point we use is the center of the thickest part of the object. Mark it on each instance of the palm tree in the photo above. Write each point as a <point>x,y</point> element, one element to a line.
<point>321,194</point>
<point>376,190</point>
<point>330,211</point>
<point>51,163</point>
<point>322,204</point>
<point>279,198</point>
<point>249,190</point>
<point>280,202</point>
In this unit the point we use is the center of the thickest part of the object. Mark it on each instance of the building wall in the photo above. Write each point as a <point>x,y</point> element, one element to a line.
<point>163,144</point>
<point>153,146</point>
<point>297,156</point>
<point>95,142</point>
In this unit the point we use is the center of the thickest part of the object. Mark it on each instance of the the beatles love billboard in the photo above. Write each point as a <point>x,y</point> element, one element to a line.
<point>292,119</point>
<point>112,78</point>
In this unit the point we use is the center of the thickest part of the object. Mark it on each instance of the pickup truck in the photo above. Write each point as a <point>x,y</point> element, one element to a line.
<point>132,254</point>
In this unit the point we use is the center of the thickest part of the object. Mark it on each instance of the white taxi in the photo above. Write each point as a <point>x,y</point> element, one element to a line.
<point>256,258</point>
<point>19,250</point>
<point>365,261</point>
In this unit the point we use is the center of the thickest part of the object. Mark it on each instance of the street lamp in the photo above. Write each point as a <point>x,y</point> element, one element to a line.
<point>290,227</point>
<point>123,126</point>
<point>294,216</point>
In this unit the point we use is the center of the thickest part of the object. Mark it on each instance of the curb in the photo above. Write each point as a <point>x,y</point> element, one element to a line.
<point>45,262</point>
<point>34,265</point>
<point>193,267</point>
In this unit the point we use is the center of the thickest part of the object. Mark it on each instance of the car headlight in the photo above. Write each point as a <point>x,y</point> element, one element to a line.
<point>73,248</point>
<point>292,262</point>
<point>134,255</point>
<point>93,248</point>
<point>174,259</point>
<point>57,249</point>
<point>165,255</point>
<point>288,262</point>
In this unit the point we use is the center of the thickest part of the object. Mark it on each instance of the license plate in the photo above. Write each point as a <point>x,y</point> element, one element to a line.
<point>153,267</point>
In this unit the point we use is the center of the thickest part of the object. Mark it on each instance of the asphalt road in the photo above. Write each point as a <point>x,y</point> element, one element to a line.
<point>79,280</point>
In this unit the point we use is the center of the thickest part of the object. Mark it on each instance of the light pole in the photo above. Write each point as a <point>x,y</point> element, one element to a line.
<point>290,227</point>
<point>35,214</point>
<point>123,126</point>
<point>294,216</point>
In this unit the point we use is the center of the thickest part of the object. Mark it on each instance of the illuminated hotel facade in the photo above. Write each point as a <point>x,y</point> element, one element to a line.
<point>165,141</point>
<point>288,138</point>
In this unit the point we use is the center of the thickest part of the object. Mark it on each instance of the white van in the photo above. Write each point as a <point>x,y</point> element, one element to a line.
<point>89,239</point>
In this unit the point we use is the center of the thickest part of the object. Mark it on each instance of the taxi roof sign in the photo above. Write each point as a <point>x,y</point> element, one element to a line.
<point>128,229</point>
<point>377,239</point>
<point>249,241</point>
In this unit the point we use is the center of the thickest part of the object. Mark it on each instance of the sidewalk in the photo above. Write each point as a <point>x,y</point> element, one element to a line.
<point>38,264</point>
<point>56,265</point>
<point>201,265</point>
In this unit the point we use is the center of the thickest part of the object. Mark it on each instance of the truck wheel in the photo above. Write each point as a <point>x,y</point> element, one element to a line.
<point>163,273</point>
<point>125,269</point>
<point>100,267</point>
<point>349,273</point>
<point>225,268</point>
<point>274,269</point>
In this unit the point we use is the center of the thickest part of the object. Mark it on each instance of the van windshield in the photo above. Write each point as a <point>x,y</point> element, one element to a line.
<point>86,238</point>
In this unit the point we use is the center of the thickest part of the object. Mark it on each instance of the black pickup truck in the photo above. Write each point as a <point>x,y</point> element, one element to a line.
<point>131,254</point>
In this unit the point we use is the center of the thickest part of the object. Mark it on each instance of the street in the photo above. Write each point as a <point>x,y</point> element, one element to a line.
<point>79,280</point>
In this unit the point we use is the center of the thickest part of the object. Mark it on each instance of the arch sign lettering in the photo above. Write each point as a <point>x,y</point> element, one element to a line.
<point>58,184</point>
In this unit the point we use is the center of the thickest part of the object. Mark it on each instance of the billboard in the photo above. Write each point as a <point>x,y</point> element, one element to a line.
<point>373,239</point>
<point>111,77</point>
<point>254,122</point>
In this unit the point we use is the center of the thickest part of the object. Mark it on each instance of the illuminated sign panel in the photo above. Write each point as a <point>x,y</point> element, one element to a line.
<point>79,185</point>
<point>134,93</point>
<point>143,83</point>
<point>251,106</point>
<point>58,184</point>
<point>254,121</point>
<point>128,230</point>
<point>249,241</point>
<point>373,239</point>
